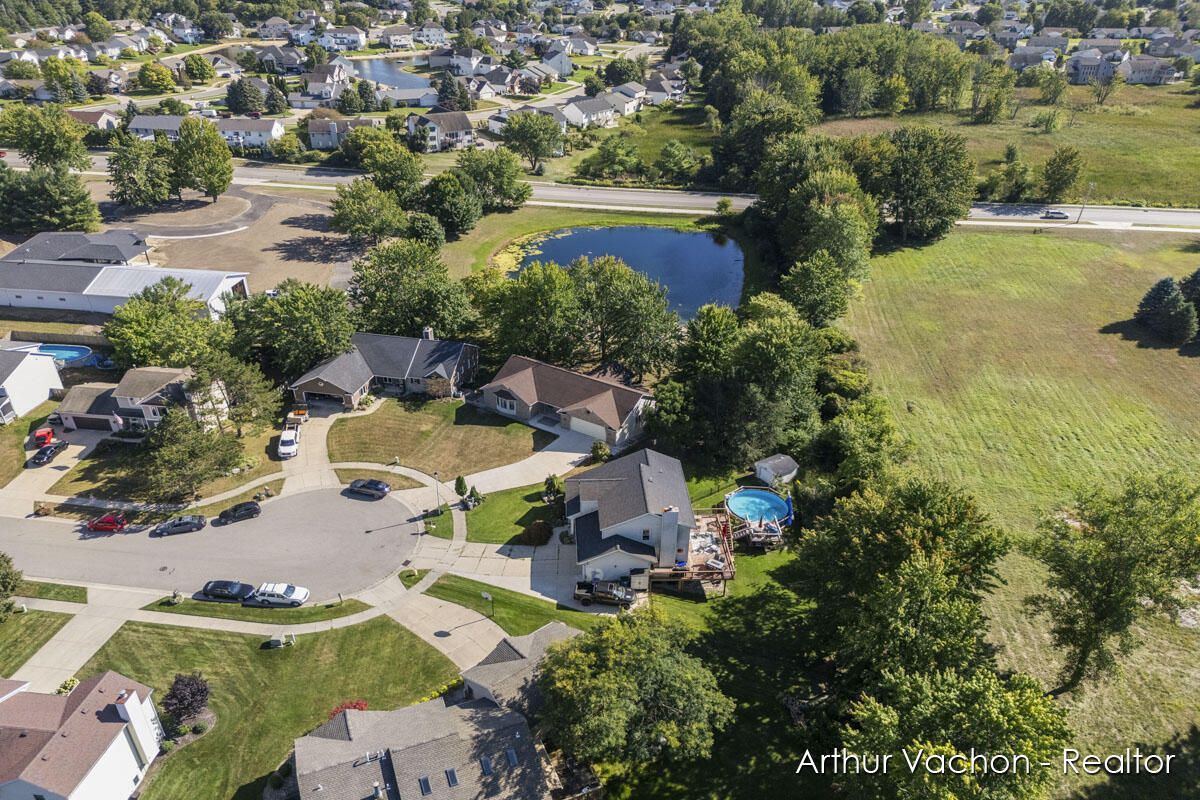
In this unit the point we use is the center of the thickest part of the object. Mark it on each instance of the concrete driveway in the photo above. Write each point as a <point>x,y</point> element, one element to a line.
<point>324,540</point>
<point>18,496</point>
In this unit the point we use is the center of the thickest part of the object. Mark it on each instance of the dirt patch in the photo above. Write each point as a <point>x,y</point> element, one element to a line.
<point>193,211</point>
<point>291,240</point>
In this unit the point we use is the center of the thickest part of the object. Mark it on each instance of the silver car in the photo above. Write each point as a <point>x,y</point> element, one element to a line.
<point>280,594</point>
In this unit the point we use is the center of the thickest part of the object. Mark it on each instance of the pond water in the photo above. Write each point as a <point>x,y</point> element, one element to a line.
<point>696,267</point>
<point>389,72</point>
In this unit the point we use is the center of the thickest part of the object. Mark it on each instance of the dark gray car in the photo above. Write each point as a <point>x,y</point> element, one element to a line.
<point>185,524</point>
<point>370,488</point>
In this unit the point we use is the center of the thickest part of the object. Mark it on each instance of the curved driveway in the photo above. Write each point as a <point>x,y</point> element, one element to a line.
<point>324,540</point>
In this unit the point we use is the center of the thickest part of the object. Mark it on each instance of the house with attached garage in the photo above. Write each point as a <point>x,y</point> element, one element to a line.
<point>103,119</point>
<point>446,130</point>
<point>26,380</point>
<point>545,395</point>
<point>630,513</point>
<point>145,126</point>
<point>138,402</point>
<point>430,33</point>
<point>507,675</point>
<point>328,134</point>
<point>95,743</point>
<point>274,28</point>
<point>392,364</point>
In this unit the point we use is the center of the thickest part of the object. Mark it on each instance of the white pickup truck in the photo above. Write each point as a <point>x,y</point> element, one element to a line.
<point>289,440</point>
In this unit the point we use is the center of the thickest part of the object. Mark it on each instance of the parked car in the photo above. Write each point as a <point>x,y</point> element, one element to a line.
<point>46,454</point>
<point>289,440</point>
<point>108,522</point>
<point>280,594</point>
<point>254,114</point>
<point>1055,214</point>
<point>370,488</point>
<point>43,436</point>
<point>192,522</point>
<point>241,511</point>
<point>54,419</point>
<point>608,592</point>
<point>227,590</point>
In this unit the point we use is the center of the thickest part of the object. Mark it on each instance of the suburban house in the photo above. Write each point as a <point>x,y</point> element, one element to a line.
<point>224,67</point>
<point>136,403</point>
<point>26,380</point>
<point>145,126</point>
<point>534,391</point>
<point>115,79</point>
<point>506,676</point>
<point>583,46</point>
<point>92,744</point>
<point>328,134</point>
<point>1060,43</point>
<point>274,28</point>
<point>470,749</point>
<point>94,272</point>
<point>104,119</point>
<point>419,97</point>
<point>1147,70</point>
<point>466,61</point>
<point>560,61</point>
<point>622,104</point>
<point>347,37</point>
<point>1089,65</point>
<point>282,60</point>
<point>430,33</point>
<point>1026,57</point>
<point>32,88</point>
<point>660,88</point>
<point>446,130</point>
<point>630,513</point>
<point>397,36</point>
<point>247,132</point>
<point>396,364</point>
<point>589,112</point>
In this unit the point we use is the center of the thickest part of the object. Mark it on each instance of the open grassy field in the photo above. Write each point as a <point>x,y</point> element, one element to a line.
<point>1135,148</point>
<point>1011,360</point>
<point>504,516</point>
<point>52,591</point>
<point>22,635</point>
<point>516,612</point>
<point>446,436</point>
<point>652,128</point>
<point>281,616</point>
<point>265,698</point>
<point>14,436</point>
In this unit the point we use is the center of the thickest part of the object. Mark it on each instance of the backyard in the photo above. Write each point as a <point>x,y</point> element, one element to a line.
<point>263,698</point>
<point>1012,362</point>
<point>447,436</point>
<point>517,613</point>
<point>22,635</point>
<point>1134,148</point>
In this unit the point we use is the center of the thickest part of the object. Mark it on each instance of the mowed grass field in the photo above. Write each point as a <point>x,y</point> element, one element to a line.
<point>1137,148</point>
<point>1010,360</point>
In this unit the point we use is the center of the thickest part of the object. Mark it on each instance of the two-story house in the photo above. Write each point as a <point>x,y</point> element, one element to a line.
<point>136,403</point>
<point>430,33</point>
<point>629,513</point>
<point>397,36</point>
<point>27,378</point>
<point>274,28</point>
<point>589,112</point>
<point>246,132</point>
<point>446,130</point>
<point>346,37</point>
<point>282,60</point>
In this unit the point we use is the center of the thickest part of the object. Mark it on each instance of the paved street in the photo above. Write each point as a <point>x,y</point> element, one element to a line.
<point>323,540</point>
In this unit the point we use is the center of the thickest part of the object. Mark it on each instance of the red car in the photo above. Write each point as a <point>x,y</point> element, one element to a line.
<point>109,522</point>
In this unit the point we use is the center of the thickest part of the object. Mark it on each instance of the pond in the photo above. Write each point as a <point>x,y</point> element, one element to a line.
<point>696,267</point>
<point>389,72</point>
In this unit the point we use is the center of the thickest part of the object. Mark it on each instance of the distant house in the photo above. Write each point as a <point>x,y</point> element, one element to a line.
<point>465,61</point>
<point>1060,43</point>
<point>507,675</point>
<point>560,60</point>
<point>420,97</point>
<point>145,126</point>
<point>659,90</point>
<point>479,88</point>
<point>630,513</point>
<point>347,37</point>
<point>396,364</point>
<point>104,119</point>
<point>246,132</point>
<point>534,391</point>
<point>274,28</point>
<point>397,36</point>
<point>583,46</point>
<point>31,88</point>
<point>1089,65</point>
<point>282,60</point>
<point>224,67</point>
<point>1108,33</point>
<point>430,33</point>
<point>95,743</point>
<point>26,380</point>
<point>966,27</point>
<point>447,130</point>
<point>622,104</point>
<point>589,112</point>
<point>328,134</point>
<point>1026,57</point>
<point>1147,70</point>
<point>138,402</point>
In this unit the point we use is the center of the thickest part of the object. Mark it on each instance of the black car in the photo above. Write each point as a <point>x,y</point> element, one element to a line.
<point>370,488</point>
<point>240,512</point>
<point>227,590</point>
<point>180,525</point>
<point>46,454</point>
<point>608,592</point>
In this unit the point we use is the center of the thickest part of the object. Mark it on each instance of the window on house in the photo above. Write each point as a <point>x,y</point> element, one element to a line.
<point>423,782</point>
<point>645,534</point>
<point>505,405</point>
<point>485,765</point>
<point>512,757</point>
<point>452,777</point>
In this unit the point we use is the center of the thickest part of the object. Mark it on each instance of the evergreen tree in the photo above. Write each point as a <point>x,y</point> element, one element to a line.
<point>1190,286</point>
<point>79,92</point>
<point>1166,313</point>
<point>365,94</point>
<point>349,101</point>
<point>276,101</point>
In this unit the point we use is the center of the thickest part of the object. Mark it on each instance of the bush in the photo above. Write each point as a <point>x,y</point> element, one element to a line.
<point>199,728</point>
<point>536,534</point>
<point>426,228</point>
<point>187,696</point>
<point>357,705</point>
<point>460,486</point>
<point>724,206</point>
<point>275,780</point>
<point>166,746</point>
<point>601,452</point>
<point>67,686</point>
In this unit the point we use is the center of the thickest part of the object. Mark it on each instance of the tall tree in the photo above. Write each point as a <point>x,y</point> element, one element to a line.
<point>139,177</point>
<point>1112,555</point>
<point>45,199</point>
<point>155,78</point>
<point>497,175</point>
<point>363,211</point>
<point>402,287</point>
<point>537,313</point>
<point>202,159</point>
<point>453,201</point>
<point>1166,313</point>
<point>181,456</point>
<point>293,330</point>
<point>276,102</point>
<point>1061,173</point>
<point>627,692</point>
<point>314,55</point>
<point>97,27</point>
<point>930,182</point>
<point>229,389</point>
<point>10,580</point>
<point>199,68</point>
<point>534,137</point>
<point>394,168</point>
<point>817,287</point>
<point>45,136</point>
<point>163,326</point>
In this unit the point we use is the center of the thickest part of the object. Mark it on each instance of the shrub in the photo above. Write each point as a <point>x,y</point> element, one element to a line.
<point>426,228</point>
<point>601,452</point>
<point>1047,121</point>
<point>357,705</point>
<point>724,206</point>
<point>187,696</point>
<point>166,746</point>
<point>460,486</point>
<point>275,780</point>
<point>199,728</point>
<point>67,686</point>
<point>537,534</point>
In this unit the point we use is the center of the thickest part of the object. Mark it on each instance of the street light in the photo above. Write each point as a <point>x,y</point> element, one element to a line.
<point>1086,197</point>
<point>437,489</point>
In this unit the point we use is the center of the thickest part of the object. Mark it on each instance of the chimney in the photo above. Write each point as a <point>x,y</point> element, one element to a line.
<point>378,791</point>
<point>122,705</point>
<point>427,333</point>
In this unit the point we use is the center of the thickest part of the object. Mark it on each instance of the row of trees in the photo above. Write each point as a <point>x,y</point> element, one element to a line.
<point>1171,308</point>
<point>1017,182</point>
<point>147,173</point>
<point>49,197</point>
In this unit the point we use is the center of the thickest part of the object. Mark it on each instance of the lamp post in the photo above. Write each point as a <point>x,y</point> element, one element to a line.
<point>437,489</point>
<point>1086,197</point>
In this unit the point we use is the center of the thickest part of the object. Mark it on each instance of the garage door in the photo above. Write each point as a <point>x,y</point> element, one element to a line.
<point>90,423</point>
<point>311,397</point>
<point>588,428</point>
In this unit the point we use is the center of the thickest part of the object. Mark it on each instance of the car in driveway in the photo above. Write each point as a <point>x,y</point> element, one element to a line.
<point>370,488</point>
<point>289,441</point>
<point>46,454</point>
<point>185,524</point>
<point>107,522</point>
<point>241,511</point>
<point>280,594</point>
<point>234,591</point>
<point>607,592</point>
<point>1052,213</point>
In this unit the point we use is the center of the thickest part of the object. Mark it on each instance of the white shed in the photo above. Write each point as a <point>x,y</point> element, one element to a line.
<point>778,467</point>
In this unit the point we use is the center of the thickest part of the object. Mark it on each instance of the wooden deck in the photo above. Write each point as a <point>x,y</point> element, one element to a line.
<point>711,559</point>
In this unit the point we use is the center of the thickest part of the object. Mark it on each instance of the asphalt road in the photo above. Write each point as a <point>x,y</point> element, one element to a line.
<point>322,540</point>
<point>1117,216</point>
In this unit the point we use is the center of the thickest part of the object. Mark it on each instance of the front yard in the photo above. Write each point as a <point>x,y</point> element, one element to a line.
<point>281,616</point>
<point>504,516</point>
<point>515,612</point>
<point>14,436</point>
<point>22,635</point>
<point>52,591</point>
<point>446,436</point>
<point>263,698</point>
<point>397,482</point>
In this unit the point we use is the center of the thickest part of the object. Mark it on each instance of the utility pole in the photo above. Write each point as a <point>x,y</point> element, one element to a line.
<point>1086,197</point>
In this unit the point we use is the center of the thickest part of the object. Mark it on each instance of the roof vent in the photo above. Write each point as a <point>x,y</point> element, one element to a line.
<point>123,695</point>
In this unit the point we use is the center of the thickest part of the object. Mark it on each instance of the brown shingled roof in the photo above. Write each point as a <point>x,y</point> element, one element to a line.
<point>535,381</point>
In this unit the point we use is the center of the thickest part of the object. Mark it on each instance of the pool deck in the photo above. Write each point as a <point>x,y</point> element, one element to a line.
<point>711,524</point>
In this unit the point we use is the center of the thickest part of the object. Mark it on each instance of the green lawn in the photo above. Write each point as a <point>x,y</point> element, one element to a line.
<point>397,482</point>
<point>14,436</point>
<point>504,516</point>
<point>656,127</point>
<point>1011,361</point>
<point>282,616</point>
<point>707,489</point>
<point>52,591</point>
<point>147,517</point>
<point>265,698</point>
<point>440,525</point>
<point>1134,149</point>
<point>22,635</point>
<point>411,577</point>
<point>444,436</point>
<point>517,613</point>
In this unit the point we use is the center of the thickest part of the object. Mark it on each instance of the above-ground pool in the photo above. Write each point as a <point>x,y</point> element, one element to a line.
<point>753,505</point>
<point>66,353</point>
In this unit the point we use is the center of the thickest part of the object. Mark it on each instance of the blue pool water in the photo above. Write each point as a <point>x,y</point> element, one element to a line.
<point>65,352</point>
<point>696,268</point>
<point>756,504</point>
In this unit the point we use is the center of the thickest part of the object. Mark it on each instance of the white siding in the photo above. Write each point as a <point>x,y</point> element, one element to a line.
<point>610,566</point>
<point>588,428</point>
<point>115,775</point>
<point>30,383</point>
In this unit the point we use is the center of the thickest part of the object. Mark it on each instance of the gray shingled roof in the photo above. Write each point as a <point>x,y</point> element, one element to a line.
<point>94,399</point>
<point>9,361</point>
<point>159,122</point>
<point>142,382</point>
<point>537,382</point>
<point>33,276</point>
<point>378,356</point>
<point>779,463</point>
<point>589,543</point>
<point>643,482</point>
<point>110,246</point>
<point>508,671</point>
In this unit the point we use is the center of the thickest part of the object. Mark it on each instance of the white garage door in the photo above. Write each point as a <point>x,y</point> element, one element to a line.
<point>588,428</point>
